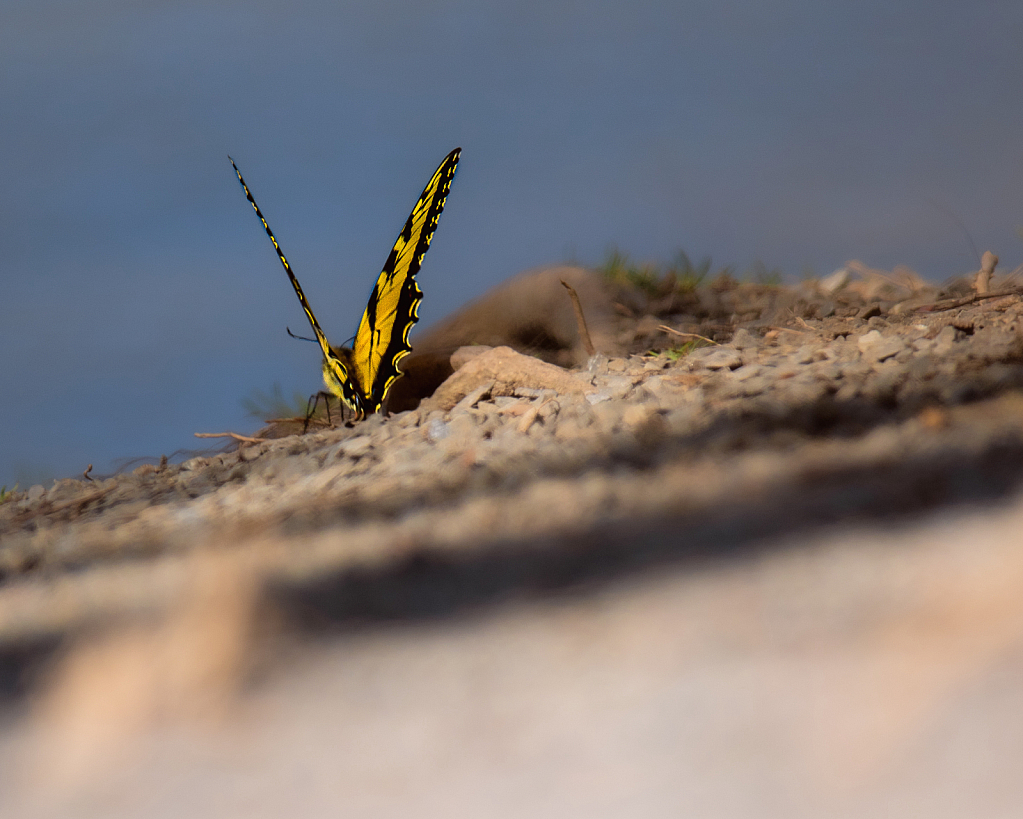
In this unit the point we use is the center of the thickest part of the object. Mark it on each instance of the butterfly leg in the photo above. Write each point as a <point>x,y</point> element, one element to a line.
<point>310,409</point>
<point>326,405</point>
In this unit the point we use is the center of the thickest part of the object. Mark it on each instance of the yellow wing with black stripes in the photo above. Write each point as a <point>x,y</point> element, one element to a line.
<point>335,371</point>
<point>383,336</point>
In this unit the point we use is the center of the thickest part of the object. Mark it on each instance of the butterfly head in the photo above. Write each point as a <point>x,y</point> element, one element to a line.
<point>339,378</point>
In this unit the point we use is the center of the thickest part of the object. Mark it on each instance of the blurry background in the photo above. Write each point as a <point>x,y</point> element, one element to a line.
<point>141,301</point>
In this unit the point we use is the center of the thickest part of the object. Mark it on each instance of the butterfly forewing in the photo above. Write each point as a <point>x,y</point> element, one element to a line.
<point>321,338</point>
<point>383,336</point>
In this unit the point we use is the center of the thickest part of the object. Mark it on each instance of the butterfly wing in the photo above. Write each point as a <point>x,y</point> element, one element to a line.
<point>335,372</point>
<point>382,339</point>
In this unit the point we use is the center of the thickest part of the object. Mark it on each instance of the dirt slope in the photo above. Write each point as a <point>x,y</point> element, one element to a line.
<point>609,508</point>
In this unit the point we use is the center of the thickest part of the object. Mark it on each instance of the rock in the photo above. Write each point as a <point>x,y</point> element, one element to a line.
<point>461,432</point>
<point>507,370</point>
<point>743,339</point>
<point>878,348</point>
<point>836,281</point>
<point>663,388</point>
<point>437,430</point>
<point>804,355</point>
<point>474,397</point>
<point>944,341</point>
<point>748,371</point>
<point>714,358</point>
<point>618,387</point>
<point>406,419</point>
<point>598,363</point>
<point>527,308</point>
<point>64,489</point>
<point>463,355</point>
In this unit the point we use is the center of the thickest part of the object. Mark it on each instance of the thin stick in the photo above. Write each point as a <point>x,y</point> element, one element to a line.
<point>580,319</point>
<point>86,474</point>
<point>952,304</point>
<point>296,420</point>
<point>243,438</point>
<point>671,330</point>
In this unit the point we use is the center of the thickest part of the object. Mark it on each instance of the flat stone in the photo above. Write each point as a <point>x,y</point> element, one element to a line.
<point>717,358</point>
<point>876,347</point>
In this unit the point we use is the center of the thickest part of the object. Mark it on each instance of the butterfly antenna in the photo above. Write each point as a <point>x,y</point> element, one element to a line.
<point>300,338</point>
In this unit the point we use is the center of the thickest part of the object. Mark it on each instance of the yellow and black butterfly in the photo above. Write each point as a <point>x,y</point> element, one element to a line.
<point>360,376</point>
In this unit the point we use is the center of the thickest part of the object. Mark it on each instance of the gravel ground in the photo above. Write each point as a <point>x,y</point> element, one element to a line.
<point>616,589</point>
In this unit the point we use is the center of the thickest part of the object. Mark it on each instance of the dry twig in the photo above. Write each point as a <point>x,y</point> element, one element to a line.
<point>296,420</point>
<point>580,319</point>
<point>952,304</point>
<point>243,438</point>
<point>675,332</point>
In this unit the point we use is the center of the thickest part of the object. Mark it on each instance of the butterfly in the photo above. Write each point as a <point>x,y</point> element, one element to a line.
<point>361,375</point>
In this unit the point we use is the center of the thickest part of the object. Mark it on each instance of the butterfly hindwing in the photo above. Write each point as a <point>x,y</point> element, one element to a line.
<point>383,336</point>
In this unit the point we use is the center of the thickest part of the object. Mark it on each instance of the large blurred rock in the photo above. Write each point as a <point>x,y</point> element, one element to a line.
<point>531,313</point>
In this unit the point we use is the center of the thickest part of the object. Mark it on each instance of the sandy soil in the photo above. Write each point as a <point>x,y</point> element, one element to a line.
<point>775,575</point>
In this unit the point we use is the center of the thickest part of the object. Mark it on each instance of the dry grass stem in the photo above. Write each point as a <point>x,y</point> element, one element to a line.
<point>584,332</point>
<point>674,332</point>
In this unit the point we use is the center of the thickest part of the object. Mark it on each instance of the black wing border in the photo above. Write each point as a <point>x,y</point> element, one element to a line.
<point>407,310</point>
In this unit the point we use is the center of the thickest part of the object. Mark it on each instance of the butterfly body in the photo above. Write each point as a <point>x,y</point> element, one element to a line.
<point>362,375</point>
